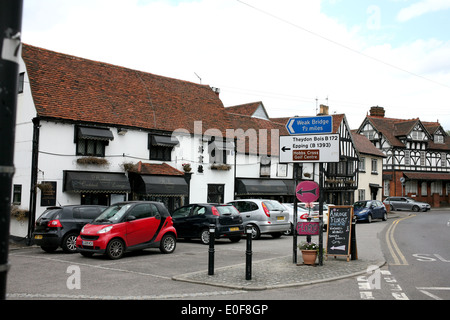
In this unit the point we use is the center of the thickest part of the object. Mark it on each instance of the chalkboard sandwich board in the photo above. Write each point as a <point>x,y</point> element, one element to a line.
<point>339,231</point>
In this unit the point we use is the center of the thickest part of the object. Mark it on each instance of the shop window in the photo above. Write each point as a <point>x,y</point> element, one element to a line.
<point>216,193</point>
<point>95,198</point>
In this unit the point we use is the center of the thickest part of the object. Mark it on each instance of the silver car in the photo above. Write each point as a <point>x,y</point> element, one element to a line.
<point>264,216</point>
<point>406,203</point>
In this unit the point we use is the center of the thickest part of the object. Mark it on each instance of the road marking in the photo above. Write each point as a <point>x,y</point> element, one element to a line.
<point>399,258</point>
<point>425,290</point>
<point>373,282</point>
<point>92,297</point>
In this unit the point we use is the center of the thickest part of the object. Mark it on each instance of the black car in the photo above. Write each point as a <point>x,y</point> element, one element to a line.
<point>193,221</point>
<point>60,226</point>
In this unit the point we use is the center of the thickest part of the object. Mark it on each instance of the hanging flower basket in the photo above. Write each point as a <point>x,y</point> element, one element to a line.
<point>220,166</point>
<point>187,167</point>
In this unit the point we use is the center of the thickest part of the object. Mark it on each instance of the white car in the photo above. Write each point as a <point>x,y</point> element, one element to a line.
<point>301,215</point>
<point>314,211</point>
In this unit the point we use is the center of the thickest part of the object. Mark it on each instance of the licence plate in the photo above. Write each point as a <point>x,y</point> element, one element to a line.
<point>234,229</point>
<point>38,237</point>
<point>87,243</point>
<point>280,218</point>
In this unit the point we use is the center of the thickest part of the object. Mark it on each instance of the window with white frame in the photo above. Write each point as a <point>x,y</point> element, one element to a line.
<point>374,166</point>
<point>411,186</point>
<point>386,188</point>
<point>361,194</point>
<point>362,164</point>
<point>436,187</point>
<point>424,189</point>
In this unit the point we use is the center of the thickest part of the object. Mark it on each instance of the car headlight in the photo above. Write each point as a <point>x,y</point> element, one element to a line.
<point>104,230</point>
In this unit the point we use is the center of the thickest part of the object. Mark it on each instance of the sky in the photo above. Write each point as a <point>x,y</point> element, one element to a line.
<point>292,55</point>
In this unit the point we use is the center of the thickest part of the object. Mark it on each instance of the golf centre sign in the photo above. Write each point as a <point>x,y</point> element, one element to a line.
<point>309,148</point>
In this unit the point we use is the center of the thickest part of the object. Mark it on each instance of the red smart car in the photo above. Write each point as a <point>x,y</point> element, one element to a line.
<point>128,226</point>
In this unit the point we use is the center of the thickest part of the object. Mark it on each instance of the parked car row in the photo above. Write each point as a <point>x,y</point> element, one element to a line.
<point>137,225</point>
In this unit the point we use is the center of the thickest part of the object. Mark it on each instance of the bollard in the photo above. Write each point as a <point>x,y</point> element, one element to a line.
<point>248,254</point>
<point>212,231</point>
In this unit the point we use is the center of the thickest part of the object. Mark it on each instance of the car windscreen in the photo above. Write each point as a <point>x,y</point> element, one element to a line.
<point>52,213</point>
<point>274,206</point>
<point>113,214</point>
<point>227,210</point>
<point>361,204</point>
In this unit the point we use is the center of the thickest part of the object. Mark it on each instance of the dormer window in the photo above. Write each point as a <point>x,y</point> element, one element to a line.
<point>438,138</point>
<point>417,135</point>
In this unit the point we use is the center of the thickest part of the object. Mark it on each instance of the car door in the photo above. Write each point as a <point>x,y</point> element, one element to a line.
<point>142,223</point>
<point>197,220</point>
<point>181,223</point>
<point>377,209</point>
<point>248,210</point>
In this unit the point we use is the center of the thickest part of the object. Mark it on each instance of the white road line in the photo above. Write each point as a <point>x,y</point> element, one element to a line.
<point>91,297</point>
<point>425,290</point>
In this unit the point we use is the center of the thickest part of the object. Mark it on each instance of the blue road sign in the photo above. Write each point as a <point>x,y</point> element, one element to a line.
<point>310,125</point>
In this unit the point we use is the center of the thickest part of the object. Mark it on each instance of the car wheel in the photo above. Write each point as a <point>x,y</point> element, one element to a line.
<point>204,236</point>
<point>369,218</point>
<point>384,216</point>
<point>49,249</point>
<point>115,249</point>
<point>256,234</point>
<point>415,209</point>
<point>168,243</point>
<point>69,244</point>
<point>288,232</point>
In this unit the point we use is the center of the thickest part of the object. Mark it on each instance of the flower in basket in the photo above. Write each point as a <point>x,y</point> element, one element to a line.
<point>309,205</point>
<point>308,246</point>
<point>186,167</point>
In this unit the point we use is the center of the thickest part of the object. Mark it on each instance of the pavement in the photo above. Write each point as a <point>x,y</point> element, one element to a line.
<point>283,272</point>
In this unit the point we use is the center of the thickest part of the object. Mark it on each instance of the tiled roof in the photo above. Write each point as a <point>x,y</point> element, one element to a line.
<point>262,129</point>
<point>72,88</point>
<point>247,109</point>
<point>364,146</point>
<point>156,169</point>
<point>392,129</point>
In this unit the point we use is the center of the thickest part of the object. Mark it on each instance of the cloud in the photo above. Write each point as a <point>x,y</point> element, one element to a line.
<point>420,8</point>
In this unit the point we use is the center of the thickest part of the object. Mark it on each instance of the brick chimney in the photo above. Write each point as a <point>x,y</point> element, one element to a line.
<point>377,112</point>
<point>323,110</point>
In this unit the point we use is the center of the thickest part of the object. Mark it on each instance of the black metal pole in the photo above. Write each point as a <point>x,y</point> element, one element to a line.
<point>321,214</point>
<point>10,51</point>
<point>212,236</point>
<point>248,254</point>
<point>294,227</point>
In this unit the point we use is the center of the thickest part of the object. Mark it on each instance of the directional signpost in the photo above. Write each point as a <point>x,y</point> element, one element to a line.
<point>309,148</point>
<point>310,140</point>
<point>310,125</point>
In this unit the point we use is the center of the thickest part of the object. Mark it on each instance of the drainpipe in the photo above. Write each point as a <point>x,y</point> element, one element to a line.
<point>10,44</point>
<point>34,174</point>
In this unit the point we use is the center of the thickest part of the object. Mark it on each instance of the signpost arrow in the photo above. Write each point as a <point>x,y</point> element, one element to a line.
<point>310,125</point>
<point>307,191</point>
